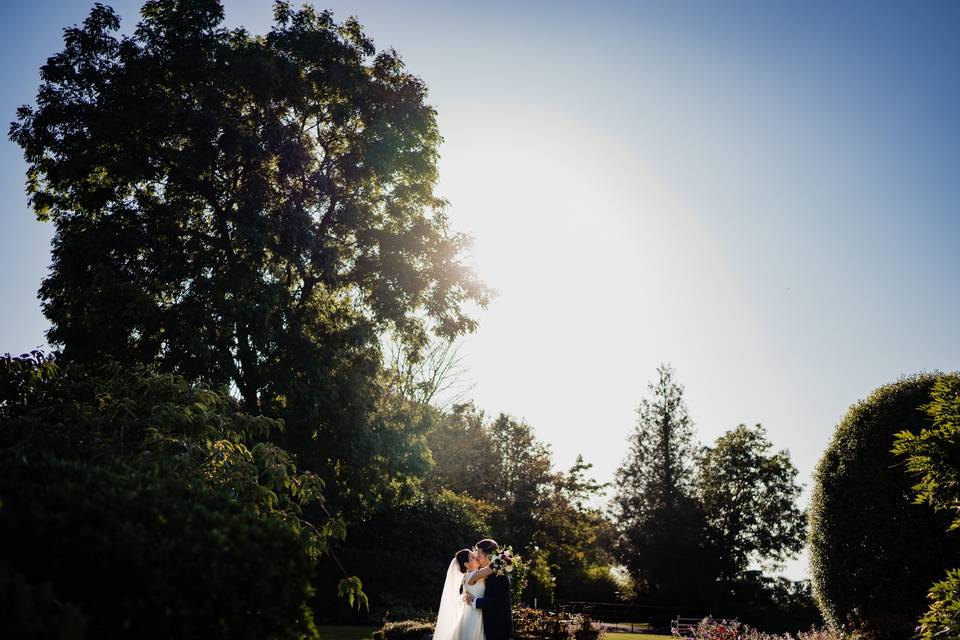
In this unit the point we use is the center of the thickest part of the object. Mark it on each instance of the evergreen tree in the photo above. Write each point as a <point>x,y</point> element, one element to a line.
<point>662,526</point>
<point>659,469</point>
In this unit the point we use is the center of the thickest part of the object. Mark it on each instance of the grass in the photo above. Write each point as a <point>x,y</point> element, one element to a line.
<point>364,633</point>
<point>328,632</point>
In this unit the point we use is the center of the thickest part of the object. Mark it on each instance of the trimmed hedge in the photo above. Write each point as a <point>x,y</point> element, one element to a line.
<point>873,551</point>
<point>405,630</point>
<point>539,624</point>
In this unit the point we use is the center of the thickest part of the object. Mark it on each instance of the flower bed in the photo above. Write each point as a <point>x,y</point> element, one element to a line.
<point>530,624</point>
<point>710,629</point>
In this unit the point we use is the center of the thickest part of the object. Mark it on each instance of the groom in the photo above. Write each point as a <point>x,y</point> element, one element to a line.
<point>495,603</point>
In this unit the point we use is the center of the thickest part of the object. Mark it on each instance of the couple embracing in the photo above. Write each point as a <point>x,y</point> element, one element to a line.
<point>475,603</point>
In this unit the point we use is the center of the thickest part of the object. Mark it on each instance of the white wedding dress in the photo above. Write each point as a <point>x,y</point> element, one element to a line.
<point>471,624</point>
<point>456,619</point>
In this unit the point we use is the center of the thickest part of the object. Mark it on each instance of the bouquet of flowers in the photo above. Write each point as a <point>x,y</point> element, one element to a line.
<point>502,561</point>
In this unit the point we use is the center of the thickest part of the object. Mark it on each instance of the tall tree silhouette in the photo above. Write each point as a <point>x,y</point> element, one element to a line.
<point>749,495</point>
<point>661,522</point>
<point>659,469</point>
<point>250,211</point>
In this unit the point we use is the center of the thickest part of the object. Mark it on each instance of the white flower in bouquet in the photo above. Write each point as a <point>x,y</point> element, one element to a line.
<point>502,562</point>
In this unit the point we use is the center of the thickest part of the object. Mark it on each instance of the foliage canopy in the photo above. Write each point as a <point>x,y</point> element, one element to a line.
<point>749,496</point>
<point>248,210</point>
<point>124,487</point>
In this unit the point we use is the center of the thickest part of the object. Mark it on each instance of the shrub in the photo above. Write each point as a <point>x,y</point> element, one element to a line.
<point>874,553</point>
<point>711,629</point>
<point>587,629</point>
<point>588,583</point>
<point>405,630</point>
<point>933,455</point>
<point>942,619</point>
<point>774,603</point>
<point>31,611</point>
<point>539,623</point>
<point>151,506</point>
<point>425,531</point>
<point>540,584</point>
<point>519,579</point>
<point>398,612</point>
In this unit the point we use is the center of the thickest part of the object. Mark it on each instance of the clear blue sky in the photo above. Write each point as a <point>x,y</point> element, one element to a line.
<point>763,194</point>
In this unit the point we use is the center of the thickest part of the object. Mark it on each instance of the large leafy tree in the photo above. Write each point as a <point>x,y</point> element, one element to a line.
<point>522,475</point>
<point>459,441</point>
<point>749,495</point>
<point>662,524</point>
<point>248,210</point>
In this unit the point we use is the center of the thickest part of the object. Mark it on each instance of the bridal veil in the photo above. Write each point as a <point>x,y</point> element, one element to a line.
<point>451,604</point>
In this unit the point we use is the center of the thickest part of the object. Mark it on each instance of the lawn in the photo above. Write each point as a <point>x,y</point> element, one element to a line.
<point>364,633</point>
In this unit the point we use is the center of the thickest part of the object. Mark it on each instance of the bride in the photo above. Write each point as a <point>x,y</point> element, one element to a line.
<point>456,620</point>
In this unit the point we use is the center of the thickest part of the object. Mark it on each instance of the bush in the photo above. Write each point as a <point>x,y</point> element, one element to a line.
<point>398,612</point>
<point>873,551</point>
<point>589,630</point>
<point>538,623</point>
<point>934,456</point>
<point>423,532</point>
<point>710,629</point>
<point>774,603</point>
<point>942,619</point>
<point>151,506</point>
<point>405,630</point>
<point>31,611</point>
<point>586,583</point>
<point>519,579</point>
<point>539,582</point>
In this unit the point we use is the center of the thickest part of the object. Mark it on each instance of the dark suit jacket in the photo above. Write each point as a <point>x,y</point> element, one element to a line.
<point>497,608</point>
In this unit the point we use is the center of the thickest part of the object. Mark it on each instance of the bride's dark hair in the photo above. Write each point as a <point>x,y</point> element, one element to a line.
<point>463,557</point>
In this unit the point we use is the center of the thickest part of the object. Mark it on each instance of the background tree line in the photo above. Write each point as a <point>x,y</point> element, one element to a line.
<point>684,529</point>
<point>698,525</point>
<point>241,222</point>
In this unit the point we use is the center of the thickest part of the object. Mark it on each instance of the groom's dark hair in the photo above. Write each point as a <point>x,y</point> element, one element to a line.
<point>488,546</point>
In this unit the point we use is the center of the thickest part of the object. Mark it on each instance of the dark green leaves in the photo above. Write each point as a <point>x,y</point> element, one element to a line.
<point>250,211</point>
<point>352,589</point>
<point>933,456</point>
<point>874,552</point>
<point>160,490</point>
<point>749,495</point>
